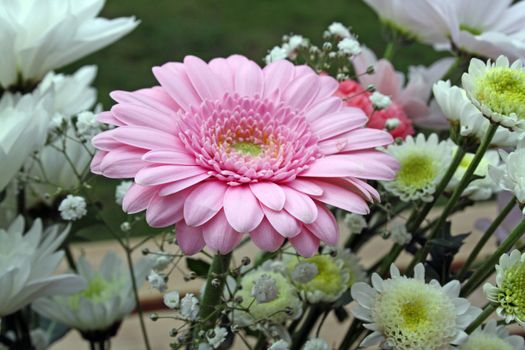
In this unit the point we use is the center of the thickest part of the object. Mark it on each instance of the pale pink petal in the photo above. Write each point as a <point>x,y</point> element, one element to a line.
<point>219,235</point>
<point>174,79</point>
<point>305,186</point>
<point>302,91</point>
<point>283,222</point>
<point>167,210</point>
<point>242,209</point>
<point>143,137</point>
<point>154,98</point>
<point>189,239</point>
<point>224,71</point>
<point>325,227</point>
<point>109,118</point>
<point>95,163</point>
<point>204,80</point>
<point>328,88</point>
<point>354,164</point>
<point>356,140</point>
<point>265,237</point>
<point>277,76</point>
<point>269,194</point>
<point>122,163</point>
<point>300,205</point>
<point>162,174</point>
<point>368,191</point>
<point>204,202</point>
<point>175,157</point>
<point>105,141</point>
<point>339,122</point>
<point>305,243</point>
<point>143,116</point>
<point>138,198</point>
<point>180,185</point>
<point>319,110</point>
<point>342,197</point>
<point>249,80</point>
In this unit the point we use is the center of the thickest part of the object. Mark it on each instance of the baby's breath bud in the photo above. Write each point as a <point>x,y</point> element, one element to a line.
<point>246,261</point>
<point>154,316</point>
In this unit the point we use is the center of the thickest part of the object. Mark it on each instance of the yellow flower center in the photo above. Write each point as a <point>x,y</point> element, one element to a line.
<point>416,170</point>
<point>414,313</point>
<point>247,148</point>
<point>98,291</point>
<point>502,89</point>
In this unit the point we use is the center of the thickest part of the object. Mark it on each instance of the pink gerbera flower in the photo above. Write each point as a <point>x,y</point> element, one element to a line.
<point>225,148</point>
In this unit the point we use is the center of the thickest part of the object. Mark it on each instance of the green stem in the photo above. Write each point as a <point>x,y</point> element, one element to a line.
<point>389,51</point>
<point>489,233</point>
<point>137,299</point>
<point>301,336</point>
<point>487,311</point>
<point>487,268</point>
<point>213,292</point>
<point>389,259</point>
<point>465,180</point>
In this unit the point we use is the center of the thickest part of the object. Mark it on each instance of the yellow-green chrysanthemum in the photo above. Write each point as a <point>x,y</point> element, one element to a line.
<point>408,313</point>
<point>423,162</point>
<point>509,292</point>
<point>493,337</point>
<point>498,90</point>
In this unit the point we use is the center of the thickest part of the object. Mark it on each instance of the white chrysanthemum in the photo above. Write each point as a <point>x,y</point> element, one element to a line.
<point>121,191</point>
<point>72,94</point>
<point>41,35</point>
<point>399,234</point>
<point>509,292</point>
<point>316,344</point>
<point>338,29</point>
<point>498,90</point>
<point>189,307</point>
<point>25,121</point>
<point>492,336</point>
<point>157,281</point>
<point>408,313</point>
<point>172,299</point>
<point>462,114</point>
<point>509,176</point>
<point>27,263</point>
<point>482,187</point>
<point>349,46</point>
<point>107,299</point>
<point>276,54</point>
<point>327,285</point>
<point>356,223</point>
<point>423,163</point>
<point>279,345</point>
<point>268,296</point>
<point>72,208</point>
<point>217,337</point>
<point>379,100</point>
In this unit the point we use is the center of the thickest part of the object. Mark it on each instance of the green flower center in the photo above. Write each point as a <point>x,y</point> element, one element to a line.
<point>414,313</point>
<point>485,341</point>
<point>416,170</point>
<point>470,29</point>
<point>511,295</point>
<point>98,291</point>
<point>328,280</point>
<point>502,89</point>
<point>247,148</point>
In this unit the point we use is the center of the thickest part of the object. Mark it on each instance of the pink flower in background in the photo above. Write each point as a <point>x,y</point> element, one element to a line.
<point>225,148</point>
<point>356,96</point>
<point>413,97</point>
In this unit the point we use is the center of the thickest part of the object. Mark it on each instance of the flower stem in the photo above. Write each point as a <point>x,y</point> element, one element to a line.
<point>490,231</point>
<point>487,268</point>
<point>301,336</point>
<point>354,332</point>
<point>213,293</point>
<point>487,311</point>
<point>465,180</point>
<point>137,299</point>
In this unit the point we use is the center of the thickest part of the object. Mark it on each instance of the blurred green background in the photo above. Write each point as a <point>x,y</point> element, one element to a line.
<point>171,29</point>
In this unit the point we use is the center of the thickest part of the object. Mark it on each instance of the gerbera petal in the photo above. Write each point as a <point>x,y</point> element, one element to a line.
<point>269,194</point>
<point>166,210</point>
<point>325,227</point>
<point>283,222</point>
<point>242,209</point>
<point>138,198</point>
<point>277,76</point>
<point>182,184</point>
<point>305,243</point>
<point>162,174</point>
<point>189,239</point>
<point>249,80</point>
<point>122,163</point>
<point>144,137</point>
<point>204,202</point>
<point>219,235</point>
<point>300,205</point>
<point>342,197</point>
<point>203,79</point>
<point>266,237</point>
<point>174,79</point>
<point>175,157</point>
<point>302,91</point>
<point>339,122</point>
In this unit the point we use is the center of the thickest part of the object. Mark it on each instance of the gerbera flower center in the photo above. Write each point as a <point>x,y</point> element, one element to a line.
<point>502,89</point>
<point>511,295</point>
<point>416,170</point>
<point>243,140</point>
<point>484,341</point>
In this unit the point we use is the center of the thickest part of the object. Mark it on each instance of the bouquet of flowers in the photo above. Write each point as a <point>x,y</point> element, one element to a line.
<point>307,157</point>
